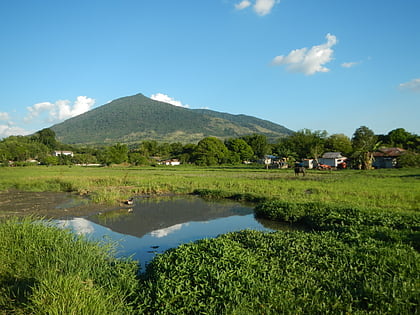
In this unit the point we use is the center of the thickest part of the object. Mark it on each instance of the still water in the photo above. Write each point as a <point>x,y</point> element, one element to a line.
<point>153,225</point>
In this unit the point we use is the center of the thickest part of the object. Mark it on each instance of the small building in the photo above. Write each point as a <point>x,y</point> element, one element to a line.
<point>171,162</point>
<point>309,163</point>
<point>58,153</point>
<point>387,157</point>
<point>333,159</point>
<point>268,159</point>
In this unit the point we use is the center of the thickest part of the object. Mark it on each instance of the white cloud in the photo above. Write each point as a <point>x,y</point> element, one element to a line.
<point>78,225</point>
<point>166,231</point>
<point>242,5</point>
<point>4,116</point>
<point>413,85</point>
<point>60,110</point>
<point>261,7</point>
<point>264,7</point>
<point>167,99</point>
<point>10,130</point>
<point>349,64</point>
<point>309,61</point>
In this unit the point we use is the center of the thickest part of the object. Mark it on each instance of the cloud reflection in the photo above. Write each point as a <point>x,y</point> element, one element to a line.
<point>78,225</point>
<point>166,231</point>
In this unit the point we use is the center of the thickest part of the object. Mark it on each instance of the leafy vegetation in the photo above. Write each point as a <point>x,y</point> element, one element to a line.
<point>251,272</point>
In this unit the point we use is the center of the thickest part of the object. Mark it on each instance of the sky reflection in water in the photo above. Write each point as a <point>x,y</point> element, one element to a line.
<point>154,225</point>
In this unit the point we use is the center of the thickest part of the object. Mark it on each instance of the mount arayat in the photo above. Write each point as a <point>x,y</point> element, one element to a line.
<point>136,118</point>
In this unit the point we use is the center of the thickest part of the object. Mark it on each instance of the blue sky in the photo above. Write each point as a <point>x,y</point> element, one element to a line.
<point>319,64</point>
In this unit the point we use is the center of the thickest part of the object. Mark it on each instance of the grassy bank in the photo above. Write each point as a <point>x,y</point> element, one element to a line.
<point>45,270</point>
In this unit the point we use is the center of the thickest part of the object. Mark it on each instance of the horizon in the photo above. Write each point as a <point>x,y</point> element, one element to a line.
<point>303,65</point>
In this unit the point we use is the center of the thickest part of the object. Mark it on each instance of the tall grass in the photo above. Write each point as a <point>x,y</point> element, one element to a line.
<point>45,270</point>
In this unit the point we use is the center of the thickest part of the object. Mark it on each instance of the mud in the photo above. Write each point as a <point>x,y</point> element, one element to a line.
<point>55,205</point>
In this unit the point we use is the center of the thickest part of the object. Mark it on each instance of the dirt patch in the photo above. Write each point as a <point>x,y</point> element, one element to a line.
<point>46,204</point>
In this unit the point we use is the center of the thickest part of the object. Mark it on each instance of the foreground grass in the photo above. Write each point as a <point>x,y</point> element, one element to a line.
<point>394,190</point>
<point>45,270</point>
<point>251,272</point>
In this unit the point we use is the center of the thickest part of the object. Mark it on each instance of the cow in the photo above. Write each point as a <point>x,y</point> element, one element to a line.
<point>299,169</point>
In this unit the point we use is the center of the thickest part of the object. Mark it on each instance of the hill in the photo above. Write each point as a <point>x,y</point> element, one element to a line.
<point>136,118</point>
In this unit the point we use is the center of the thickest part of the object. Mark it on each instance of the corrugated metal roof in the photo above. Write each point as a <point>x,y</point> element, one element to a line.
<point>389,152</point>
<point>332,155</point>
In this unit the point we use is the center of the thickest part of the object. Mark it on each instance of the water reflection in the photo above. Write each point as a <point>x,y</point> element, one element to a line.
<point>154,225</point>
<point>155,215</point>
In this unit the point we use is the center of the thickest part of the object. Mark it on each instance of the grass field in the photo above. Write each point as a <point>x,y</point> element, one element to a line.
<point>359,254</point>
<point>395,190</point>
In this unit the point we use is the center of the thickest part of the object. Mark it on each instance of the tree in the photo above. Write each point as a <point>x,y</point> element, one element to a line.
<point>47,137</point>
<point>137,159</point>
<point>364,144</point>
<point>307,143</point>
<point>115,154</point>
<point>210,151</point>
<point>258,144</point>
<point>339,143</point>
<point>148,148</point>
<point>403,139</point>
<point>242,150</point>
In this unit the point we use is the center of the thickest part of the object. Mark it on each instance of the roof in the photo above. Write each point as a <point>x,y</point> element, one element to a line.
<point>389,152</point>
<point>332,155</point>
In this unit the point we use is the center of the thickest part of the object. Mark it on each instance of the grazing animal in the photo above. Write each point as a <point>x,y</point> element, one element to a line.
<point>299,169</point>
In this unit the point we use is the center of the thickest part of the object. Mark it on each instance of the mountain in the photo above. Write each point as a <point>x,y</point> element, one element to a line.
<point>136,118</point>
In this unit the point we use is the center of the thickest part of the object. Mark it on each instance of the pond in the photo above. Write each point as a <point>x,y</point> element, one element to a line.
<point>153,225</point>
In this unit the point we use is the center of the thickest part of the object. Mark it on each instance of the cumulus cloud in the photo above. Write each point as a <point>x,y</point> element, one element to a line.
<point>166,231</point>
<point>167,99</point>
<point>264,7</point>
<point>10,130</point>
<point>60,110</point>
<point>4,116</point>
<point>309,60</point>
<point>349,64</point>
<point>78,225</point>
<point>413,85</point>
<point>242,5</point>
<point>261,7</point>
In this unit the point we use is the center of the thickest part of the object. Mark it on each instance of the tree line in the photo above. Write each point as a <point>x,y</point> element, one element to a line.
<point>305,143</point>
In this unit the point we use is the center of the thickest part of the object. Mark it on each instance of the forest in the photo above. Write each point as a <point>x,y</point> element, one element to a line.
<point>210,151</point>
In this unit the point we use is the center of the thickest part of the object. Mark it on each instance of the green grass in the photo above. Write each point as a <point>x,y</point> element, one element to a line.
<point>394,190</point>
<point>45,270</point>
<point>359,254</point>
<point>252,272</point>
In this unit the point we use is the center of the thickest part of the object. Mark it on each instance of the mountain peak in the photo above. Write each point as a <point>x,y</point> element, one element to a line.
<point>135,118</point>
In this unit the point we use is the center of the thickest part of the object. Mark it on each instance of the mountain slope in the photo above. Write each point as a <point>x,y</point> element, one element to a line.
<point>136,118</point>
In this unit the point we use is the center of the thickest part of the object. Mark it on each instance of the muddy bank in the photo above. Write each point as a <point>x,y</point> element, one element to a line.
<point>46,204</point>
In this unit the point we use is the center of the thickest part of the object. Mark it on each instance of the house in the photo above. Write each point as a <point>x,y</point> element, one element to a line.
<point>172,162</point>
<point>387,157</point>
<point>333,159</point>
<point>309,163</point>
<point>268,159</point>
<point>58,153</point>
